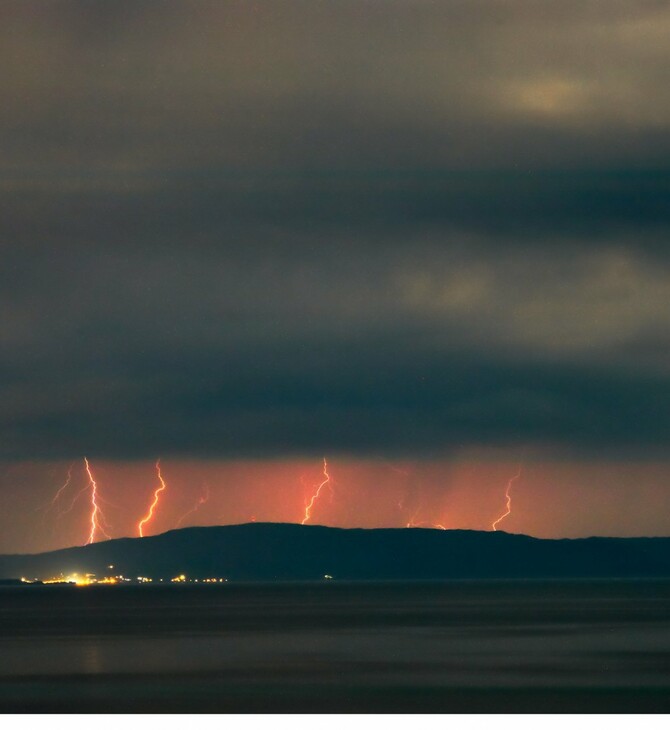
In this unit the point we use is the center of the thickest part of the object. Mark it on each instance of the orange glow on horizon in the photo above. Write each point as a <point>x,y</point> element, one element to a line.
<point>161,488</point>
<point>623,499</point>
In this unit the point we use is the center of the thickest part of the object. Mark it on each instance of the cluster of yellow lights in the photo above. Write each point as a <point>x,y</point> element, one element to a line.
<point>91,579</point>
<point>85,580</point>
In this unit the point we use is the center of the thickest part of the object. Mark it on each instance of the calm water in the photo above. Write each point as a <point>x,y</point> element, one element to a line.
<point>447,647</point>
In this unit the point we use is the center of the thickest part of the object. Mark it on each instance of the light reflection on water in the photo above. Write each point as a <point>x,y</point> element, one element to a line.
<point>393,637</point>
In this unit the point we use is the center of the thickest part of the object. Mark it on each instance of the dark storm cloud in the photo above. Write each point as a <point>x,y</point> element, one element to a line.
<point>375,227</point>
<point>324,84</point>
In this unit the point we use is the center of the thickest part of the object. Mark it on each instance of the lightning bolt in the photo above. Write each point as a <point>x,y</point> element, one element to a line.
<point>74,500</point>
<point>52,504</point>
<point>508,497</point>
<point>315,496</point>
<point>97,517</point>
<point>405,473</point>
<point>412,520</point>
<point>64,487</point>
<point>161,488</point>
<point>201,500</point>
<point>413,523</point>
<point>429,525</point>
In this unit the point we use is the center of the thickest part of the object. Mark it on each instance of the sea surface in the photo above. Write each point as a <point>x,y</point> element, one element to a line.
<point>461,646</point>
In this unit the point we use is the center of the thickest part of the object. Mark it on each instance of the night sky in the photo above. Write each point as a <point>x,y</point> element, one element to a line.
<point>425,240</point>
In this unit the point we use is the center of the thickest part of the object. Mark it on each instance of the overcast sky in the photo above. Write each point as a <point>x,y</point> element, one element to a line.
<point>368,229</point>
<point>358,226</point>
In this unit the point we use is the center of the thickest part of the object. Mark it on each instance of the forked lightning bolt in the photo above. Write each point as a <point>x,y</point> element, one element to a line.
<point>54,501</point>
<point>64,487</point>
<point>161,488</point>
<point>74,500</point>
<point>97,517</point>
<point>413,523</point>
<point>315,496</point>
<point>508,497</point>
<point>201,500</point>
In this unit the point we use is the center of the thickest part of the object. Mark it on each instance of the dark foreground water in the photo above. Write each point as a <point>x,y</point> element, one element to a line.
<point>332,647</point>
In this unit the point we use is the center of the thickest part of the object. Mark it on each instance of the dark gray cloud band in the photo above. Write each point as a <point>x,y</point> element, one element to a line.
<point>266,228</point>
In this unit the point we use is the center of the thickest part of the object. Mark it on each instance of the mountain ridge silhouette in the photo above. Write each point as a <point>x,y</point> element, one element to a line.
<point>287,551</point>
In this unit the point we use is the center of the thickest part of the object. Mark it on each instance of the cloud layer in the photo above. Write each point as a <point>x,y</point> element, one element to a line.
<point>286,228</point>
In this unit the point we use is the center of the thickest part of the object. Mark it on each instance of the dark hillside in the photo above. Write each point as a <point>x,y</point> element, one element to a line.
<point>295,552</point>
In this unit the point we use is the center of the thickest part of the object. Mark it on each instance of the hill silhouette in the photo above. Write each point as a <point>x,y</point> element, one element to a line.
<point>272,551</point>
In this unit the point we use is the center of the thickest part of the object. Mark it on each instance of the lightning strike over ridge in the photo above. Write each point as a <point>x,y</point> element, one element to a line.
<point>431,525</point>
<point>161,488</point>
<point>508,497</point>
<point>64,487</point>
<point>315,496</point>
<point>74,501</point>
<point>413,522</point>
<point>54,501</point>
<point>201,500</point>
<point>96,513</point>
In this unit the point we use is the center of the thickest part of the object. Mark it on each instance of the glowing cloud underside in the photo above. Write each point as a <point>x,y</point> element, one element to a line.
<point>149,515</point>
